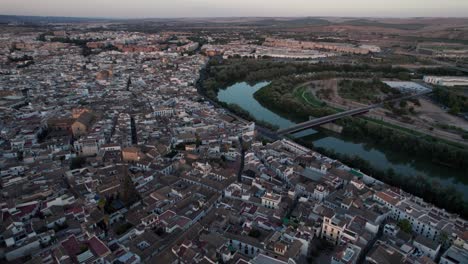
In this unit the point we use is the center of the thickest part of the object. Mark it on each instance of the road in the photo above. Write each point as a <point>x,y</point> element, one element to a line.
<point>435,61</point>
<point>368,247</point>
<point>241,167</point>
<point>323,120</point>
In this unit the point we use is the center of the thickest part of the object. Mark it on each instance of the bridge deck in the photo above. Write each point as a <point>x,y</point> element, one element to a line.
<point>333,117</point>
<point>322,120</point>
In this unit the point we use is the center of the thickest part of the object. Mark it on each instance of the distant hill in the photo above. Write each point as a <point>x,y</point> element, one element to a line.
<point>372,23</point>
<point>6,19</point>
<point>307,21</point>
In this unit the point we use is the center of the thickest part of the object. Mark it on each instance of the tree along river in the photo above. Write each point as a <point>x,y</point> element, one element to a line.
<point>242,94</point>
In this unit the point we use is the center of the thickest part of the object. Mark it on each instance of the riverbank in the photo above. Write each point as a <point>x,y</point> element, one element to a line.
<point>355,154</point>
<point>280,96</point>
<point>383,160</point>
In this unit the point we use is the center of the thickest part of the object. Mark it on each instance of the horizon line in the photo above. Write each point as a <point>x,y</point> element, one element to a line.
<point>213,17</point>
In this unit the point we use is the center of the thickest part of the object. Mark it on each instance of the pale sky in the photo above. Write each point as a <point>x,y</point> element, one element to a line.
<point>234,8</point>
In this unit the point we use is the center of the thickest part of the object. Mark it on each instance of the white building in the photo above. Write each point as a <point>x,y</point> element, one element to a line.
<point>333,227</point>
<point>320,192</point>
<point>426,246</point>
<point>271,200</point>
<point>86,147</point>
<point>164,112</point>
<point>348,255</point>
<point>424,218</point>
<point>454,255</point>
<point>294,147</point>
<point>449,81</point>
<point>407,87</point>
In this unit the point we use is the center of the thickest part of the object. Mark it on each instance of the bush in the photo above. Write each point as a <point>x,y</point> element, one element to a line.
<point>405,225</point>
<point>121,229</point>
<point>254,233</point>
<point>430,190</point>
<point>77,163</point>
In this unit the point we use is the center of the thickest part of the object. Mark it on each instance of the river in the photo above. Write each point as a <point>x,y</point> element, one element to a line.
<point>242,94</point>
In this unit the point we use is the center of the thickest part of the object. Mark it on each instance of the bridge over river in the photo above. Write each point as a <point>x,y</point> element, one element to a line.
<point>330,118</point>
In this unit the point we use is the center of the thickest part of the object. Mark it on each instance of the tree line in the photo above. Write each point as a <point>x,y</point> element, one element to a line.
<point>279,97</point>
<point>430,190</point>
<point>365,91</point>
<point>82,43</point>
<point>456,102</point>
<point>223,73</point>
<point>425,147</point>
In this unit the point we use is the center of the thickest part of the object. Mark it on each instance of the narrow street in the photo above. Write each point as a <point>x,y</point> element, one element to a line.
<point>241,167</point>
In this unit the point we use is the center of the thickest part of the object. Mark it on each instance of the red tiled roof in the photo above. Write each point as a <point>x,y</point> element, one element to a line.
<point>166,215</point>
<point>75,210</point>
<point>182,221</point>
<point>465,235</point>
<point>98,247</point>
<point>253,209</point>
<point>386,197</point>
<point>24,210</point>
<point>71,245</point>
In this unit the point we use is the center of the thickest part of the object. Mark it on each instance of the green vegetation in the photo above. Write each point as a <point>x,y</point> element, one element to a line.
<point>236,109</point>
<point>439,71</point>
<point>429,189</point>
<point>42,36</point>
<point>20,155</point>
<point>399,110</point>
<point>221,74</point>
<point>77,163</point>
<point>159,231</point>
<point>396,59</point>
<point>83,248</point>
<point>454,129</point>
<point>410,143</point>
<point>129,195</point>
<point>201,41</point>
<point>444,239</point>
<point>284,94</point>
<point>365,91</point>
<point>279,97</point>
<point>405,225</point>
<point>21,59</point>
<point>287,95</point>
<point>255,233</point>
<point>85,50</point>
<point>22,62</point>
<point>25,64</point>
<point>102,203</point>
<point>371,23</point>
<point>173,153</point>
<point>58,227</point>
<point>303,94</point>
<point>455,102</point>
<point>121,229</point>
<point>428,40</point>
